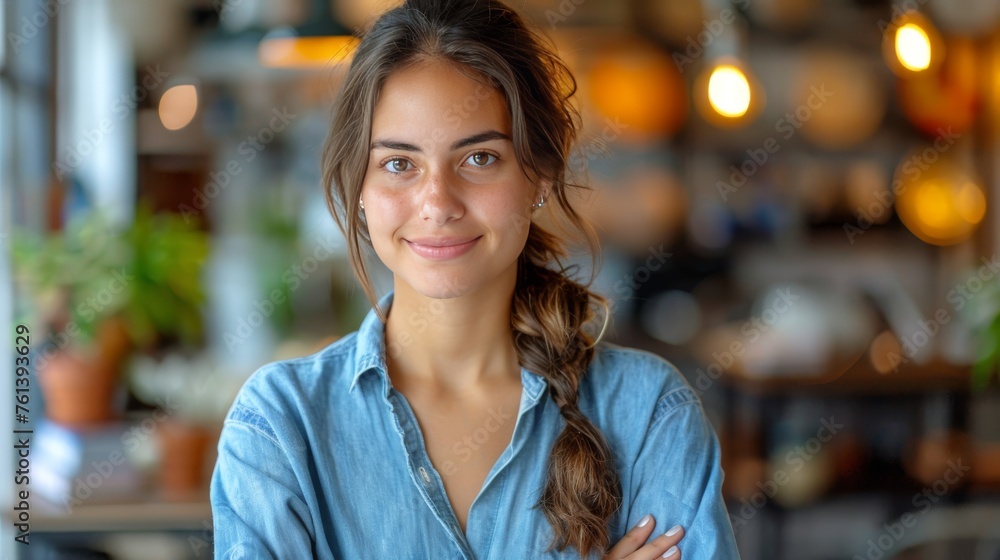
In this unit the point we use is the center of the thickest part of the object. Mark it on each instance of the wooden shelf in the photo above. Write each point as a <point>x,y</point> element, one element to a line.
<point>859,379</point>
<point>138,516</point>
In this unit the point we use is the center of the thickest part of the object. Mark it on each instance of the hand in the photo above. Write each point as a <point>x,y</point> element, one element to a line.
<point>631,546</point>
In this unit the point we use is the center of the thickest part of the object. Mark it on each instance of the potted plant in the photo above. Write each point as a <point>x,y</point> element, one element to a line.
<point>195,393</point>
<point>104,294</point>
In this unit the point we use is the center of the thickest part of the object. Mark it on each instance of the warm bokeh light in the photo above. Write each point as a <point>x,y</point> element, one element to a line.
<point>306,52</point>
<point>729,91</point>
<point>839,97</point>
<point>913,47</point>
<point>943,209</point>
<point>636,84</point>
<point>941,205</point>
<point>727,94</point>
<point>931,203</point>
<point>178,106</point>
<point>971,203</point>
<point>947,99</point>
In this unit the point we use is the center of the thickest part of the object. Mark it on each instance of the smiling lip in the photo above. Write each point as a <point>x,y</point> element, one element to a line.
<point>442,248</point>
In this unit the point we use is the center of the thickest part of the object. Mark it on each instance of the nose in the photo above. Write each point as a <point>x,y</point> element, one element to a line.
<point>440,200</point>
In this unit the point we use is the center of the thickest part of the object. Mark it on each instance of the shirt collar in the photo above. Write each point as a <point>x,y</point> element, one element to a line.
<point>370,354</point>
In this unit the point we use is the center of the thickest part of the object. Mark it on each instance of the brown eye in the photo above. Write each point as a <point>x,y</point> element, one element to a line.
<point>397,165</point>
<point>482,159</point>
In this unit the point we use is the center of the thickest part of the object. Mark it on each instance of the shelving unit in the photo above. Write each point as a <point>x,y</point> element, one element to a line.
<point>137,516</point>
<point>930,397</point>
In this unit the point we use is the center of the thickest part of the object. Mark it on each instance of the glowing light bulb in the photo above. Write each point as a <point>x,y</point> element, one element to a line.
<point>913,47</point>
<point>729,91</point>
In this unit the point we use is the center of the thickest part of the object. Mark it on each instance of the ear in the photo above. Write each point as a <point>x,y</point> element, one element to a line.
<point>544,189</point>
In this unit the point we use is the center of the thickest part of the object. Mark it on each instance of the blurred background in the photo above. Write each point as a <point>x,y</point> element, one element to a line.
<point>797,201</point>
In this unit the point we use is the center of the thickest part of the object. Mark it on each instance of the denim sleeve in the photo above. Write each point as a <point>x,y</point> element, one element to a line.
<point>677,478</point>
<point>258,508</point>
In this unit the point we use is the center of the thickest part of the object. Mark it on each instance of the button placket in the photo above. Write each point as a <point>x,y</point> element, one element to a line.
<point>409,431</point>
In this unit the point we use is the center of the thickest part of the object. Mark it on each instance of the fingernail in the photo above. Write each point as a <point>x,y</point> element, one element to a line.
<point>673,531</point>
<point>644,520</point>
<point>670,552</point>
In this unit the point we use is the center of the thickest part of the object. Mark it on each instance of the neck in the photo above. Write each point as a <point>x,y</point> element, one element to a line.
<point>455,345</point>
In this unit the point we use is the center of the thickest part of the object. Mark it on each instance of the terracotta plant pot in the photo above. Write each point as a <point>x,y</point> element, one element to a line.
<point>113,344</point>
<point>78,390</point>
<point>183,450</point>
<point>80,386</point>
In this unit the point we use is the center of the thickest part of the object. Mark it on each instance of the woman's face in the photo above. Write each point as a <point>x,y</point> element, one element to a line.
<point>442,172</point>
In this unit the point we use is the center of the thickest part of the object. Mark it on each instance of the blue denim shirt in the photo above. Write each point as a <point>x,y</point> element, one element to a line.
<point>320,457</point>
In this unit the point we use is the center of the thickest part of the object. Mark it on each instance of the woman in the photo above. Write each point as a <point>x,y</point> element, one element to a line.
<point>470,416</point>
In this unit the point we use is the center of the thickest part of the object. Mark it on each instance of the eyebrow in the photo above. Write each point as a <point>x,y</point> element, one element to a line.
<point>474,139</point>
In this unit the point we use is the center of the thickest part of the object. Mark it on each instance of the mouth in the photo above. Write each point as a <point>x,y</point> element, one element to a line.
<point>439,250</point>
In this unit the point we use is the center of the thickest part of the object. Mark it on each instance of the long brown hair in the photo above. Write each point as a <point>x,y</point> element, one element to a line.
<point>582,489</point>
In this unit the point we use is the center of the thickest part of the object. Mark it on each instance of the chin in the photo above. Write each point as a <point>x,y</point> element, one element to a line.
<point>444,285</point>
<point>440,284</point>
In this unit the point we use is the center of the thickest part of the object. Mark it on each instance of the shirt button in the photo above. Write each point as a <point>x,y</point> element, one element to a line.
<point>423,473</point>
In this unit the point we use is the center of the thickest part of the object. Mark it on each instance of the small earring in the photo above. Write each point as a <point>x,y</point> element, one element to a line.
<point>361,202</point>
<point>539,204</point>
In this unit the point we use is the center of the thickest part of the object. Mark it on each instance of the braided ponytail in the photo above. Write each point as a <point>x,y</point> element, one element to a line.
<point>582,489</point>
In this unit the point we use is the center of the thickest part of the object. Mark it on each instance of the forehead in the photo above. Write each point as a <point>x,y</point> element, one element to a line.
<point>436,99</point>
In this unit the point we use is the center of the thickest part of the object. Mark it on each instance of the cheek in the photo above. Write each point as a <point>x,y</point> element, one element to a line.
<point>384,210</point>
<point>509,223</point>
<point>383,224</point>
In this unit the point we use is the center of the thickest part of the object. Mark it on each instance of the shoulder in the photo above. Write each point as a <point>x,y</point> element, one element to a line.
<point>638,379</point>
<point>287,386</point>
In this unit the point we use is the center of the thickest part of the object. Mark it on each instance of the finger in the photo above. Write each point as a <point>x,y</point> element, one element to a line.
<point>633,539</point>
<point>663,544</point>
